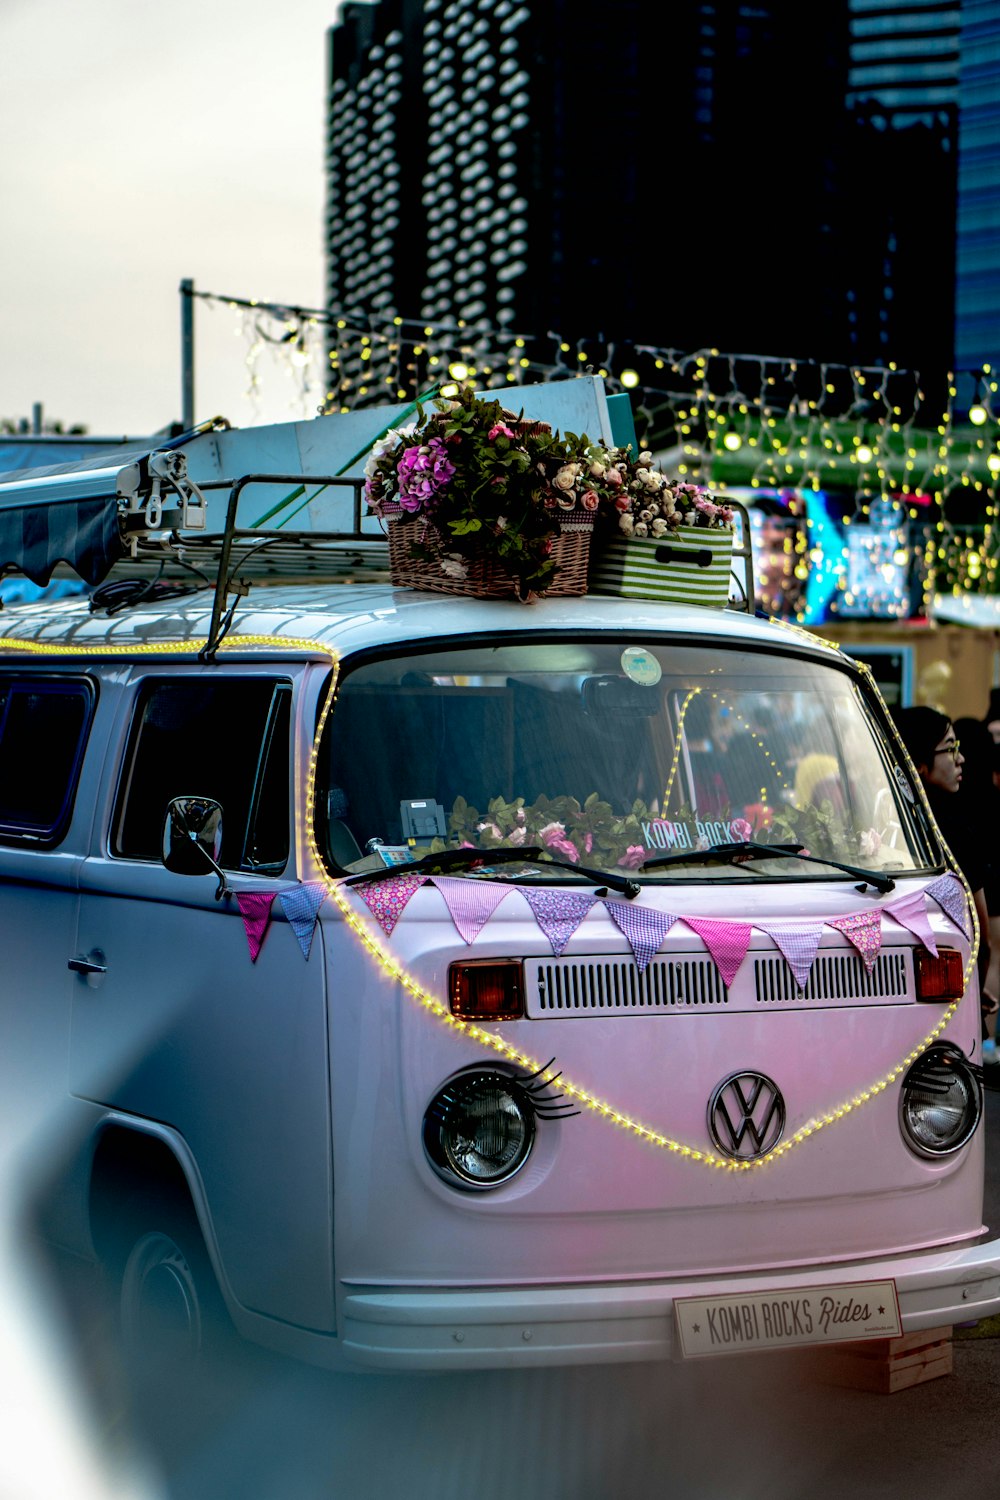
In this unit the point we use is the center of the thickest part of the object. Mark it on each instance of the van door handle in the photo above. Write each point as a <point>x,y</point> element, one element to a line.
<point>86,966</point>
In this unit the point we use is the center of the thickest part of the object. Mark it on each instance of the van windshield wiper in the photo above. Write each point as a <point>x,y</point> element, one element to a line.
<point>728,853</point>
<point>454,861</point>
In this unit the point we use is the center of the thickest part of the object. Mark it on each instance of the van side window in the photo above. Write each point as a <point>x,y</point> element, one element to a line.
<point>43,730</point>
<point>224,739</point>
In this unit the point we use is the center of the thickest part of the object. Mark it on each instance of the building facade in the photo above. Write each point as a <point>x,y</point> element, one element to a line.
<point>588,177</point>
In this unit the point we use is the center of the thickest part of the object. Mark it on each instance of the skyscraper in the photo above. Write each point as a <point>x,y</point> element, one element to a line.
<point>977,313</point>
<point>685,176</point>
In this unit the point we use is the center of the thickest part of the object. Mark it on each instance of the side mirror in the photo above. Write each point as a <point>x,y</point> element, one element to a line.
<point>192,838</point>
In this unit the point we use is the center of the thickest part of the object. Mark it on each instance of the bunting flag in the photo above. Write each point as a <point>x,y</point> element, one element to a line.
<point>255,909</point>
<point>864,930</point>
<point>949,893</point>
<point>797,945</point>
<point>645,929</point>
<point>726,941</point>
<point>387,899</point>
<point>471,902</point>
<point>301,906</point>
<point>911,912</point>
<point>558,914</point>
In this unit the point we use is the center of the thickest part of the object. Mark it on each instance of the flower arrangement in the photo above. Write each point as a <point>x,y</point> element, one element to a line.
<point>588,832</point>
<point>645,501</point>
<point>491,485</point>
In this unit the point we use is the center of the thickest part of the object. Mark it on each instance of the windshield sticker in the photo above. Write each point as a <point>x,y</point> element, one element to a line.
<point>661,833</point>
<point>640,666</point>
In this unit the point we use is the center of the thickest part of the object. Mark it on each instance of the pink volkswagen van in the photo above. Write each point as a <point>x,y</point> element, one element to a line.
<point>423,982</point>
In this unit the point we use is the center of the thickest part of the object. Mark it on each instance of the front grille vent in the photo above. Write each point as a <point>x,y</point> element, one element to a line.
<point>613,987</point>
<point>834,978</point>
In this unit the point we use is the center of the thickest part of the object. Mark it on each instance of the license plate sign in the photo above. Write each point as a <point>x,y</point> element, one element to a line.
<point>782,1319</point>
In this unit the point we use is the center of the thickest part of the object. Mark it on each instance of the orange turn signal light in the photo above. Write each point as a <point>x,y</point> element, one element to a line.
<point>940,977</point>
<point>487,989</point>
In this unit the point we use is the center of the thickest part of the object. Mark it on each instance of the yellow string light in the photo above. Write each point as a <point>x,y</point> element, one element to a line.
<point>392,967</point>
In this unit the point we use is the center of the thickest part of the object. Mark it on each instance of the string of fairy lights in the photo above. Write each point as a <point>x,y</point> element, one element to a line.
<point>438,1009</point>
<point>918,456</point>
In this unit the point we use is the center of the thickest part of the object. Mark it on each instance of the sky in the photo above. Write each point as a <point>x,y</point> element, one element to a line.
<point>145,144</point>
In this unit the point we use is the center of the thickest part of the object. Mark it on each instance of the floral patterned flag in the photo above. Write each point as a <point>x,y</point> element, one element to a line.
<point>797,944</point>
<point>864,930</point>
<point>255,909</point>
<point>949,894</point>
<point>471,901</point>
<point>911,912</point>
<point>644,929</point>
<point>386,899</point>
<point>301,906</point>
<point>558,914</point>
<point>726,941</point>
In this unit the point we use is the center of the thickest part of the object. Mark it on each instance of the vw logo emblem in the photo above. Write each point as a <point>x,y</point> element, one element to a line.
<point>746,1116</point>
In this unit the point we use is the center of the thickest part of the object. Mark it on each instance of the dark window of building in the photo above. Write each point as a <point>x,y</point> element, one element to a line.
<point>43,729</point>
<point>221,738</point>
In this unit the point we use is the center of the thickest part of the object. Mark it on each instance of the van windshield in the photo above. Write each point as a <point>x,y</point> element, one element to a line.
<point>610,754</point>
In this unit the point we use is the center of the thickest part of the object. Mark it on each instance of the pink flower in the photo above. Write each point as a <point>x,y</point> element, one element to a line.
<point>741,830</point>
<point>517,837</point>
<point>613,476</point>
<point>633,858</point>
<point>622,502</point>
<point>565,848</point>
<point>588,843</point>
<point>590,500</point>
<point>501,430</point>
<point>707,507</point>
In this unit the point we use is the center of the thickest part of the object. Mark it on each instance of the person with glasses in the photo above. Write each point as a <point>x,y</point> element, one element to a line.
<point>936,751</point>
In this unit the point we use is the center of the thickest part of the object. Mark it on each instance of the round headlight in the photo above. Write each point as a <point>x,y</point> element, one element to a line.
<point>941,1102</point>
<point>479,1130</point>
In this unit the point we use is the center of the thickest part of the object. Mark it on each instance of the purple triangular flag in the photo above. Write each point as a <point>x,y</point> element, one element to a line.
<point>797,945</point>
<point>387,899</point>
<point>471,902</point>
<point>864,930</point>
<point>911,912</point>
<point>949,893</point>
<point>645,929</point>
<point>255,909</point>
<point>301,906</point>
<point>726,941</point>
<point>558,914</point>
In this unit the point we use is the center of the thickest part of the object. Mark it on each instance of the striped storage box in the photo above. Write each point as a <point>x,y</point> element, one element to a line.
<point>688,566</point>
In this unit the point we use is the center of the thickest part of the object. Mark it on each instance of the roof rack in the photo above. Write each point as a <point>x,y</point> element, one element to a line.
<point>144,521</point>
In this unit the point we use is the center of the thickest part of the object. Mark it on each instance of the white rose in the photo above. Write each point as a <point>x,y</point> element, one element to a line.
<point>659,527</point>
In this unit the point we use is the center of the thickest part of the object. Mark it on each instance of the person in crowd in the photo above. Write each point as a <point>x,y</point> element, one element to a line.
<point>992,719</point>
<point>979,795</point>
<point>935,749</point>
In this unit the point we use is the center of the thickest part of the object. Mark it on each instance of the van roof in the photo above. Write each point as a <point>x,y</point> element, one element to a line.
<point>353,617</point>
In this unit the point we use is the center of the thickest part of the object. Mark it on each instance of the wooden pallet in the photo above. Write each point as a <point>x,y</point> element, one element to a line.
<point>888,1364</point>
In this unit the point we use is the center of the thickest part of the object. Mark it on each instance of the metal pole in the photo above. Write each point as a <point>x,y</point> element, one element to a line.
<point>187,354</point>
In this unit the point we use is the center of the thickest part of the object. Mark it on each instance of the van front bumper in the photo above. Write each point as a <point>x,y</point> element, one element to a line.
<point>397,1328</point>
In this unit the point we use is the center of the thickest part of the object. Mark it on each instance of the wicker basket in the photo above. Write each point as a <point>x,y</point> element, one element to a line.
<point>485,578</point>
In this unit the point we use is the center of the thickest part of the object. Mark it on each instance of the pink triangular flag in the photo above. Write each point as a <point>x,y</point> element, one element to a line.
<point>797,945</point>
<point>558,914</point>
<point>471,902</point>
<point>301,906</point>
<point>644,928</point>
<point>387,899</point>
<point>864,930</point>
<point>911,912</point>
<point>255,909</point>
<point>949,893</point>
<point>726,941</point>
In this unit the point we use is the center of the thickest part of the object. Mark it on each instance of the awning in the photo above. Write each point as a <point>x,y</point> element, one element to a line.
<point>66,513</point>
